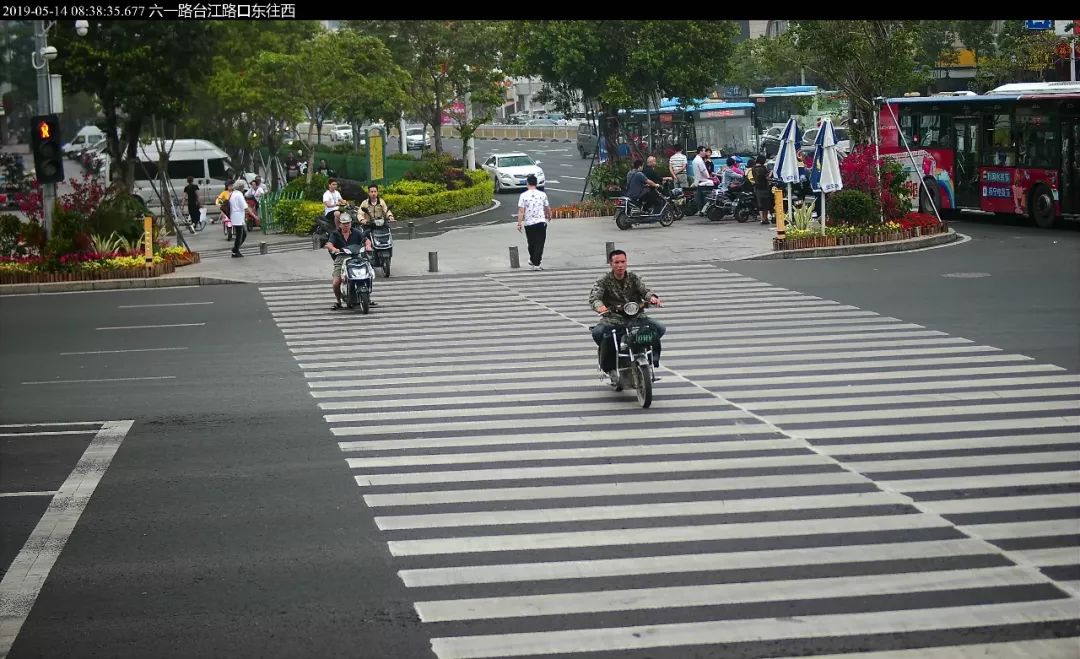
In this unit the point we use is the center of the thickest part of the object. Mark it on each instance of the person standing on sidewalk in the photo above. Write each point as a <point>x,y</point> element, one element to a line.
<point>534,211</point>
<point>191,195</point>
<point>238,213</point>
<point>677,164</point>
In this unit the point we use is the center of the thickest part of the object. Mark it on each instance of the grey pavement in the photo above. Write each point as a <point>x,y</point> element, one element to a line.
<point>571,243</point>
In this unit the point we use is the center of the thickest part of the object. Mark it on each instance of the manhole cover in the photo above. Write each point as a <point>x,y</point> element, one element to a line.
<point>967,275</point>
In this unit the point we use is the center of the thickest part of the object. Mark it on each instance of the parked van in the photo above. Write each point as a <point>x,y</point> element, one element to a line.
<point>587,138</point>
<point>87,136</point>
<point>200,159</point>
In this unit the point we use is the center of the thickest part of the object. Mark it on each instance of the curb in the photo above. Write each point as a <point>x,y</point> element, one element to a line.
<point>851,250</point>
<point>109,284</point>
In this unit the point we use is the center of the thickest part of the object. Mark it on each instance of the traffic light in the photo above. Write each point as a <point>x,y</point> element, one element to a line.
<point>45,143</point>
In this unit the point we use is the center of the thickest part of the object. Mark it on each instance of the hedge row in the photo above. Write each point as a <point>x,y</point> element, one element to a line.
<point>297,216</point>
<point>423,205</point>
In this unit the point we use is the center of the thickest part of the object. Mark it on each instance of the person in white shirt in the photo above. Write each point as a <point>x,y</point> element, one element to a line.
<point>702,180</point>
<point>534,211</point>
<point>677,164</point>
<point>238,212</point>
<point>331,199</point>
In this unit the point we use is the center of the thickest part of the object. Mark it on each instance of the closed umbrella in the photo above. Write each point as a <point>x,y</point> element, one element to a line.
<point>786,167</point>
<point>826,174</point>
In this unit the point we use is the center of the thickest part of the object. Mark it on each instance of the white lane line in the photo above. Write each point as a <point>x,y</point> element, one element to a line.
<point>1058,648</point>
<point>47,493</point>
<point>578,178</point>
<point>110,352</point>
<point>746,560</point>
<point>168,304</point>
<point>488,608</point>
<point>155,377</point>
<point>957,483</point>
<point>127,327</point>
<point>756,630</point>
<point>27,574</point>
<point>49,425</point>
<point>561,190</point>
<point>496,204</point>
<point>88,431</point>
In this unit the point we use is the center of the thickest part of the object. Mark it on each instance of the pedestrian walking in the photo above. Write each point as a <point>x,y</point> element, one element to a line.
<point>191,195</point>
<point>534,211</point>
<point>238,213</point>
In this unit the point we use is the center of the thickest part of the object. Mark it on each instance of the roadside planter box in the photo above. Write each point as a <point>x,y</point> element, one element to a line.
<point>811,242</point>
<point>155,270</point>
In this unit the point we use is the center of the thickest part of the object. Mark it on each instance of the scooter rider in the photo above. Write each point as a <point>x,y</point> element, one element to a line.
<point>341,238</point>
<point>331,199</point>
<point>641,189</point>
<point>613,289</point>
<point>373,207</point>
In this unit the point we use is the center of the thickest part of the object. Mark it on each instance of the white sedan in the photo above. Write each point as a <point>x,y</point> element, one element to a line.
<point>510,171</point>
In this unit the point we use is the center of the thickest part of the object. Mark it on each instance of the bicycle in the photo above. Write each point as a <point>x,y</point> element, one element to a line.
<point>185,221</point>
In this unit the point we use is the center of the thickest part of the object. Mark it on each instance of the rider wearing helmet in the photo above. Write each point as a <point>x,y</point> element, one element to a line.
<point>344,236</point>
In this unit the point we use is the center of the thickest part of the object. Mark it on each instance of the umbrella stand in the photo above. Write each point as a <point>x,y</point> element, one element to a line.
<point>823,212</point>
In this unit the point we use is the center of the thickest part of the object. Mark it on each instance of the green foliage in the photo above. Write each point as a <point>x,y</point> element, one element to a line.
<point>400,156</point>
<point>297,216</point>
<point>853,207</point>
<point>313,190</point>
<point>440,168</point>
<point>10,229</point>
<point>416,188</point>
<point>802,216</point>
<point>608,179</point>
<point>119,213</point>
<point>480,192</point>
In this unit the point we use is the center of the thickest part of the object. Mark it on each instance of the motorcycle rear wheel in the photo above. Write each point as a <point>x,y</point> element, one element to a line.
<point>742,215</point>
<point>622,221</point>
<point>668,217</point>
<point>365,302</point>
<point>643,384</point>
<point>714,214</point>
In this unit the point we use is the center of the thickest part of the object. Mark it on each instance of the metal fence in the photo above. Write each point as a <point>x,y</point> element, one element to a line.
<point>266,208</point>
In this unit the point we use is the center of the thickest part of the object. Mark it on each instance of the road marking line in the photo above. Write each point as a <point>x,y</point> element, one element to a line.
<point>496,203</point>
<point>170,304</point>
<point>578,178</point>
<point>560,190</point>
<point>27,574</point>
<point>155,377</point>
<point>59,423</point>
<point>48,493</point>
<point>88,431</point>
<point>126,327</point>
<point>109,352</point>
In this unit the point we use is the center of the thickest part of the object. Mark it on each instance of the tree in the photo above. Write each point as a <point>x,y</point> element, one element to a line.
<point>136,69</point>
<point>614,63</point>
<point>332,70</point>
<point>863,59</point>
<point>761,63</point>
<point>20,102</point>
<point>1018,54</point>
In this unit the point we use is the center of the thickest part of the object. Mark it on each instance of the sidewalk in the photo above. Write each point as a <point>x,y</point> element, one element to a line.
<point>571,244</point>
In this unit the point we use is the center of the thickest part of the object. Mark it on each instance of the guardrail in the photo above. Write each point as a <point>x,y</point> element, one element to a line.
<point>266,208</point>
<point>543,133</point>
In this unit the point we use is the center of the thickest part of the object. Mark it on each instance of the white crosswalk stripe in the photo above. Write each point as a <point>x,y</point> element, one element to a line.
<point>812,478</point>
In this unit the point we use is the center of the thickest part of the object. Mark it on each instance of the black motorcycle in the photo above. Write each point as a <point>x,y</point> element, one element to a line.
<point>737,201</point>
<point>382,241</point>
<point>633,339</point>
<point>629,212</point>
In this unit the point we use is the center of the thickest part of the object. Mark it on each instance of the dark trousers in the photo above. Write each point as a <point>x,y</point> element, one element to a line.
<point>700,193</point>
<point>193,213</point>
<point>240,231</point>
<point>649,200</point>
<point>536,234</point>
<point>601,334</point>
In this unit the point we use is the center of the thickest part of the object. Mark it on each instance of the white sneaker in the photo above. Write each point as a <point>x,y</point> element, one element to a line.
<point>533,267</point>
<point>539,267</point>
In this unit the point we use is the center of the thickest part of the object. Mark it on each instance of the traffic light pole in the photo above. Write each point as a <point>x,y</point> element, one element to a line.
<point>48,190</point>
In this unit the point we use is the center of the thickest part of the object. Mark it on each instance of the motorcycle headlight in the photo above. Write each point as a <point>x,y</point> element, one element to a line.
<point>631,308</point>
<point>379,222</point>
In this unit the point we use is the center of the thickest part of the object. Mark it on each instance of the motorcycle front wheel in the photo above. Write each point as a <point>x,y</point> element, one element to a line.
<point>622,221</point>
<point>365,302</point>
<point>643,384</point>
<point>742,215</point>
<point>668,217</point>
<point>386,267</point>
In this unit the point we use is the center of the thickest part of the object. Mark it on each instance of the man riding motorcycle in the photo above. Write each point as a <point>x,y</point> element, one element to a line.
<point>611,291</point>
<point>341,238</point>
<point>373,207</point>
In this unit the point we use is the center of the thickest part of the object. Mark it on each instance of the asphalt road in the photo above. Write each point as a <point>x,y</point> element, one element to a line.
<point>228,522</point>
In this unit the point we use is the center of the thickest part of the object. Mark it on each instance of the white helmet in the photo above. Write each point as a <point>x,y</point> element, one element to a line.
<point>345,219</point>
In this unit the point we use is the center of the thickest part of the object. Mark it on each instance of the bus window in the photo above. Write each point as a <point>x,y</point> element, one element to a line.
<point>907,129</point>
<point>932,131</point>
<point>1000,150</point>
<point>1037,139</point>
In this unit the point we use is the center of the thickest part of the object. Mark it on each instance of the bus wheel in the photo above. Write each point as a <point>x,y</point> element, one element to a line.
<point>929,191</point>
<point>1041,207</point>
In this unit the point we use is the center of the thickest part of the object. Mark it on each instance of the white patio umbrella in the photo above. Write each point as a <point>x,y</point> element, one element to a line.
<point>826,174</point>
<point>786,167</point>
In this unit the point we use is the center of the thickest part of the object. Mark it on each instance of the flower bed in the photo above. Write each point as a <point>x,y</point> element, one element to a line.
<point>892,231</point>
<point>10,276</point>
<point>590,208</point>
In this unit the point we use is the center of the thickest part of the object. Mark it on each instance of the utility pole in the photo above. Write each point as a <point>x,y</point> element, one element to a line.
<point>48,190</point>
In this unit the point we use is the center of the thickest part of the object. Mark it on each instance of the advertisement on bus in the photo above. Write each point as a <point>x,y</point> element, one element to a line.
<point>936,164</point>
<point>1005,190</point>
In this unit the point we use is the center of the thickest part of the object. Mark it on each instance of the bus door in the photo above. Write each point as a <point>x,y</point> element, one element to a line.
<point>1070,164</point>
<point>966,139</point>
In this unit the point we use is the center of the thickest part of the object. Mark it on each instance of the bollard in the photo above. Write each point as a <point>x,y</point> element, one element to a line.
<point>433,261</point>
<point>608,248</point>
<point>262,248</point>
<point>778,204</point>
<point>515,262</point>
<point>412,230</point>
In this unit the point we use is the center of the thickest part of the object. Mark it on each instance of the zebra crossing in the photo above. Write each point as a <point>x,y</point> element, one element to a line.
<point>812,478</point>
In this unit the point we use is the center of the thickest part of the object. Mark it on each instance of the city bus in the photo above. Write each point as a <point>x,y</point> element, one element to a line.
<point>807,103</point>
<point>1014,150</point>
<point>725,126</point>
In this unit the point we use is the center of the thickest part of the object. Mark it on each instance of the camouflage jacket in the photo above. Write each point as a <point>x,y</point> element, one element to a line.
<point>609,291</point>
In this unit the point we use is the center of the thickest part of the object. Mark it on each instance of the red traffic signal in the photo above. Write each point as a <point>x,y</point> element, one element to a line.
<point>45,144</point>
